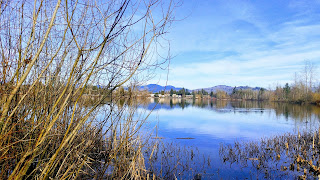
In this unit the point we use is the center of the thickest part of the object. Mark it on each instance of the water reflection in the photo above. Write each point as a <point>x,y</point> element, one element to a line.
<point>302,113</point>
<point>210,123</point>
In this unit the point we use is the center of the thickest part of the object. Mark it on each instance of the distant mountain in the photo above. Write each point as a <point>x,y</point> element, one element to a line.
<point>156,88</point>
<point>227,89</point>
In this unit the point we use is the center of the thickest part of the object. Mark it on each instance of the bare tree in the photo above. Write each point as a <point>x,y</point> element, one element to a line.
<point>50,52</point>
<point>308,75</point>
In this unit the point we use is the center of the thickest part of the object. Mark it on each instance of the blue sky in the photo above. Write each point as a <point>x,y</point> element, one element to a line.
<point>235,42</point>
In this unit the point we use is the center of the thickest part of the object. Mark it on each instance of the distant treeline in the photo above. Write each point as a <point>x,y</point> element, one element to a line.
<point>297,93</point>
<point>182,92</point>
<point>302,90</point>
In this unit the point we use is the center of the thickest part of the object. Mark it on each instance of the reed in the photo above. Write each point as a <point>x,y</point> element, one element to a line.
<point>288,155</point>
<point>53,54</point>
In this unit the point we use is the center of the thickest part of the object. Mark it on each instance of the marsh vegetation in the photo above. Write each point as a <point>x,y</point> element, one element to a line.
<point>288,155</point>
<point>53,56</point>
<point>216,126</point>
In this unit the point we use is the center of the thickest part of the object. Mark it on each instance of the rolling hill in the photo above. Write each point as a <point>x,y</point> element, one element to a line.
<point>156,88</point>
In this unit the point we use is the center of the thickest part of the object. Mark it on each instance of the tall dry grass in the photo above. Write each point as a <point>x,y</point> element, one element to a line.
<point>285,156</point>
<point>51,51</point>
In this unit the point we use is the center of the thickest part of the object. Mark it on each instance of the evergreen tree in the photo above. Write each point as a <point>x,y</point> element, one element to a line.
<point>286,90</point>
<point>234,90</point>
<point>187,92</point>
<point>260,94</point>
<point>183,92</point>
<point>171,92</point>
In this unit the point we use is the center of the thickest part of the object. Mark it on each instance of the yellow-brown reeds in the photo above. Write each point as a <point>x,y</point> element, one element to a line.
<point>53,56</point>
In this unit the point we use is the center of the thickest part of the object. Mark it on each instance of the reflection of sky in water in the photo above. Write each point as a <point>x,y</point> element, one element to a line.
<point>210,126</point>
<point>224,125</point>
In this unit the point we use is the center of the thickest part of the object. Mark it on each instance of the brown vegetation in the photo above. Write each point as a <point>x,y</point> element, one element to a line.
<point>52,52</point>
<point>293,155</point>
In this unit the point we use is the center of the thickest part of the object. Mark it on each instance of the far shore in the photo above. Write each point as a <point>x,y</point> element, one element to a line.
<point>233,99</point>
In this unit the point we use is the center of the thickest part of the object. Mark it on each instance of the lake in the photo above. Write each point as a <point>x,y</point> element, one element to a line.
<point>205,124</point>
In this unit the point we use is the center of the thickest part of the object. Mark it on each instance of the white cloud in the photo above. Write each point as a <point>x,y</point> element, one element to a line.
<point>258,69</point>
<point>261,46</point>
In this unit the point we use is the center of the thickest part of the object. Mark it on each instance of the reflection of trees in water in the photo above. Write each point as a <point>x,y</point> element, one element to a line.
<point>221,104</point>
<point>172,102</point>
<point>302,113</point>
<point>250,104</point>
<point>307,114</point>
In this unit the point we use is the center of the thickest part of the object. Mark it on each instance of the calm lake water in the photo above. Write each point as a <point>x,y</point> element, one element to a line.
<point>205,124</point>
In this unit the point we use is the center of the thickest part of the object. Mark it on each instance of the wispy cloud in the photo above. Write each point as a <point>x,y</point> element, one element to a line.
<point>241,43</point>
